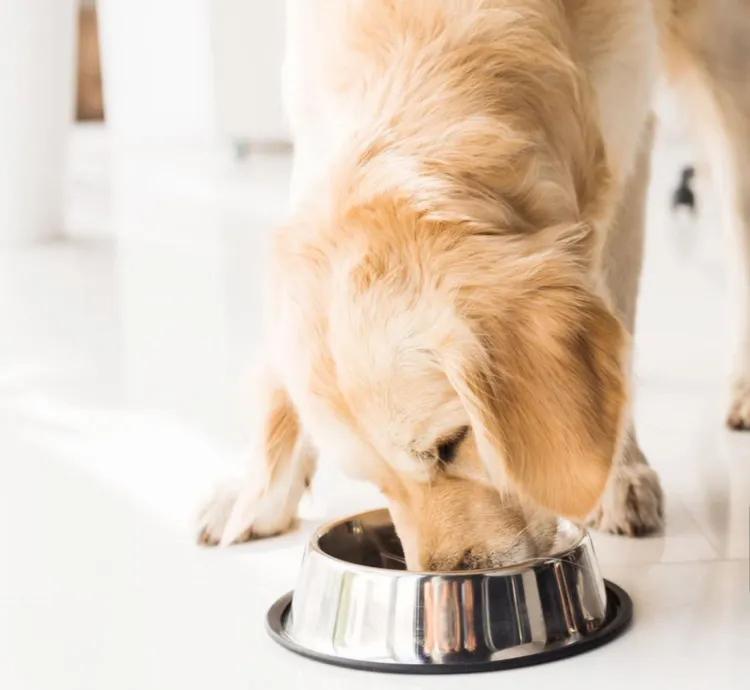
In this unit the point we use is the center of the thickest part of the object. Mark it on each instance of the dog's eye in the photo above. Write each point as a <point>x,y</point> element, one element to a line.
<point>447,449</point>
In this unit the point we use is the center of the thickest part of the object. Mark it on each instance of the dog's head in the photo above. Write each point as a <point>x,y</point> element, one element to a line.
<point>475,379</point>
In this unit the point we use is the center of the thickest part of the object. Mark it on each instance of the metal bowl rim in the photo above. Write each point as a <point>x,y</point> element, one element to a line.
<point>581,541</point>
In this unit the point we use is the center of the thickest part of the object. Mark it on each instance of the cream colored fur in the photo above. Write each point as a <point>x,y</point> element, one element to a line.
<point>462,263</point>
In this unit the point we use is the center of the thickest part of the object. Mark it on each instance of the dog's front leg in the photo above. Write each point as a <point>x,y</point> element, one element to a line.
<point>280,468</point>
<point>633,501</point>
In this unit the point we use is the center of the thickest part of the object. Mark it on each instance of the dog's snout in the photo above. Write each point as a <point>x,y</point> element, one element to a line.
<point>456,524</point>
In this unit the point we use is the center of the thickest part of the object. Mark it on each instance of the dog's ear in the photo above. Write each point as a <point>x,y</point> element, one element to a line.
<point>546,393</point>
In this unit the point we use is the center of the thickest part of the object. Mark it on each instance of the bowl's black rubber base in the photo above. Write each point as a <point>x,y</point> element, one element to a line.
<point>619,615</point>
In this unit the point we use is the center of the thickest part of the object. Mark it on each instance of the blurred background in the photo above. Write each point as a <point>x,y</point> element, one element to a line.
<point>92,82</point>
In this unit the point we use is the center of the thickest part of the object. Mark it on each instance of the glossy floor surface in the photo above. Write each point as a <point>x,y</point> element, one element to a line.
<point>123,355</point>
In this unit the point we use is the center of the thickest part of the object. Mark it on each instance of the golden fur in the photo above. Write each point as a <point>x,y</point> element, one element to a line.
<point>462,262</point>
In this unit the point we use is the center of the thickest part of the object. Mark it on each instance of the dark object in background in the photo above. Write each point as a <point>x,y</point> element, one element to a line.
<point>684,195</point>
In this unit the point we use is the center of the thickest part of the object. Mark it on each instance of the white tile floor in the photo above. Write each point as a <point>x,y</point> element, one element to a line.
<point>122,355</point>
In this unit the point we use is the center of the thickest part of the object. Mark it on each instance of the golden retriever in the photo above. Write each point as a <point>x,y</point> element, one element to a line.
<point>453,296</point>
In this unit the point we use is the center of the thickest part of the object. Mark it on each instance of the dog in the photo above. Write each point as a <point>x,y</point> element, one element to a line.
<point>453,296</point>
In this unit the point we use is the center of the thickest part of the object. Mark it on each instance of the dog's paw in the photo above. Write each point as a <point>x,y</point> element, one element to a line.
<point>633,504</point>
<point>233,516</point>
<point>739,410</point>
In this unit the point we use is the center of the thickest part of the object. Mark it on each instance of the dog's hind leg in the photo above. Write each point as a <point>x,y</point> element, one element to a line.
<point>707,57</point>
<point>280,469</point>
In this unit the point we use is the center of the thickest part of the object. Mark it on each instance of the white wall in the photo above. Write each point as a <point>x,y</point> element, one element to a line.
<point>37,60</point>
<point>157,68</point>
<point>248,44</point>
<point>193,68</point>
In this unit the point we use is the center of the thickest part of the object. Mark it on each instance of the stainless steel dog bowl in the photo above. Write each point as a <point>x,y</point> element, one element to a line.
<point>355,605</point>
